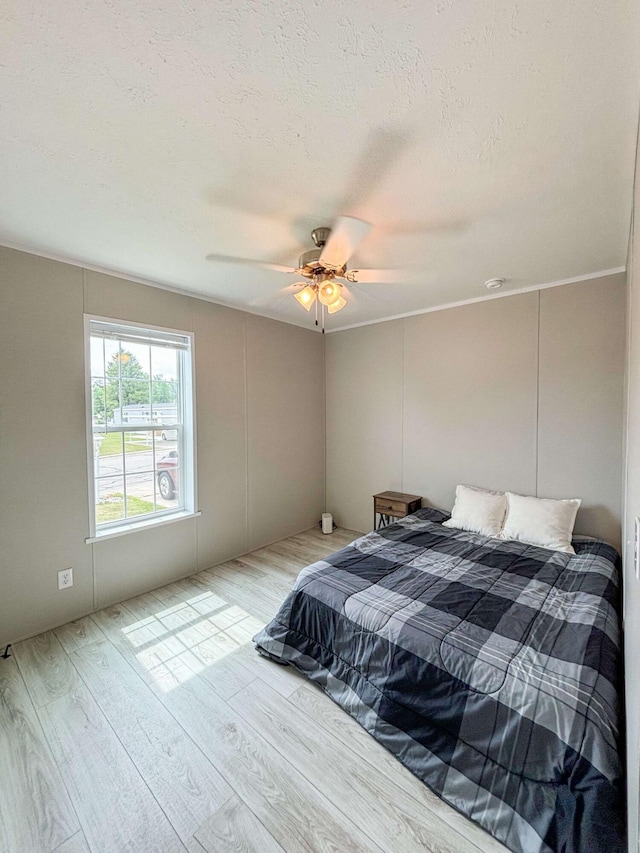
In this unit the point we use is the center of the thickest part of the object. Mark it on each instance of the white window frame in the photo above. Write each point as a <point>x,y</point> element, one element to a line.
<point>187,486</point>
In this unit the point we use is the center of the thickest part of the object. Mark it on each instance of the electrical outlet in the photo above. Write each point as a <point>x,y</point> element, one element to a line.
<point>65,578</point>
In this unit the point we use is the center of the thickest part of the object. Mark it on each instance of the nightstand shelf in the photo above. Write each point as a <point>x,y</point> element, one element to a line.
<point>392,505</point>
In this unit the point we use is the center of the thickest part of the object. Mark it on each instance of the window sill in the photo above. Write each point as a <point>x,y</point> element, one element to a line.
<point>140,525</point>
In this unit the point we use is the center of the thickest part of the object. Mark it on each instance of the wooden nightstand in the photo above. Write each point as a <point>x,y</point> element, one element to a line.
<point>390,505</point>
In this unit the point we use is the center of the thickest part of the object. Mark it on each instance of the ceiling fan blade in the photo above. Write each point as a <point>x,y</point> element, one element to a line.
<point>403,229</point>
<point>229,259</point>
<point>384,149</point>
<point>345,237</point>
<point>271,298</point>
<point>378,276</point>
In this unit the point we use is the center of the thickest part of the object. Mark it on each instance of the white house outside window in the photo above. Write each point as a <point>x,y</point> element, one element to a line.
<point>141,425</point>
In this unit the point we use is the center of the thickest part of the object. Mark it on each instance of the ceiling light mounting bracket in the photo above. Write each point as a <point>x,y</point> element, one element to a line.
<point>320,236</point>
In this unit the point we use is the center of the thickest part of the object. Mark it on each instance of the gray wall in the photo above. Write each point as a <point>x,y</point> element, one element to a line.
<point>521,393</point>
<point>631,498</point>
<point>257,481</point>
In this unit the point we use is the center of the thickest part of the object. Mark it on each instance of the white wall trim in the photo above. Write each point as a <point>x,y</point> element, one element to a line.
<point>194,294</point>
<point>484,298</point>
<point>628,532</point>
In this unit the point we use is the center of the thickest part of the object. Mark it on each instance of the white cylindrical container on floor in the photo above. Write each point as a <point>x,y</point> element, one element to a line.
<point>327,522</point>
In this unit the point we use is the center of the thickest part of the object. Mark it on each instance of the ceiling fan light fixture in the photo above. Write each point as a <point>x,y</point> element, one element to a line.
<point>306,297</point>
<point>324,267</point>
<point>338,305</point>
<point>329,292</point>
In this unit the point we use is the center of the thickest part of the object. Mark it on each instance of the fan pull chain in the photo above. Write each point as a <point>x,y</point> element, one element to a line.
<point>316,302</point>
<point>323,318</point>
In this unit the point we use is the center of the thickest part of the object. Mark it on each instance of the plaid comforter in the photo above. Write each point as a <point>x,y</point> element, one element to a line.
<point>489,668</point>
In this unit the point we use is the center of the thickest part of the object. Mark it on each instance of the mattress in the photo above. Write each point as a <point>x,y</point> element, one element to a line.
<point>491,669</point>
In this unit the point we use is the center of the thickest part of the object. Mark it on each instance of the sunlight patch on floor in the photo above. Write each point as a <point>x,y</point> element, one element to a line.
<point>183,640</point>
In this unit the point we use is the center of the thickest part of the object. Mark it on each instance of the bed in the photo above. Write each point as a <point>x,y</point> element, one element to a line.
<point>491,669</point>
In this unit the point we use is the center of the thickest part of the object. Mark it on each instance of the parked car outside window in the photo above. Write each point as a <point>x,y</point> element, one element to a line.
<point>168,475</point>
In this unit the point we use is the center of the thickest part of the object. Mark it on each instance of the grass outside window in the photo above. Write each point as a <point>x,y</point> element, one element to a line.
<point>111,444</point>
<point>111,507</point>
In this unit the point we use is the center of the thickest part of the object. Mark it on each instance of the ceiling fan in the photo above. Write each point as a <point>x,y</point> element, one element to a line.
<point>325,267</point>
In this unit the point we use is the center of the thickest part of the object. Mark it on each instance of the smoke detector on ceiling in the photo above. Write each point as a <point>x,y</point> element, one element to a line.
<point>494,283</point>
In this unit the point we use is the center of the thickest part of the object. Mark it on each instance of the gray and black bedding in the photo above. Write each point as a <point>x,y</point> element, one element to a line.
<point>490,668</point>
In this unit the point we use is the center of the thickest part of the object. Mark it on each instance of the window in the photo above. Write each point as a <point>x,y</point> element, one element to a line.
<point>140,425</point>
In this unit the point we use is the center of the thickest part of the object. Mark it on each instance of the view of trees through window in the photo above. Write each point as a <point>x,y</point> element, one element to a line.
<point>125,383</point>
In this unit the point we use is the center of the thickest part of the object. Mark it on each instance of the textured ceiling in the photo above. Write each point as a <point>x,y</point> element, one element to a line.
<point>480,137</point>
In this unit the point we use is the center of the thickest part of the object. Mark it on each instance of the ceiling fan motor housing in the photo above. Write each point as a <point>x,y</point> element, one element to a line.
<point>309,262</point>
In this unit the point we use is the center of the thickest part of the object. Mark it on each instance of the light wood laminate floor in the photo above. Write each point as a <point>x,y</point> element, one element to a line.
<point>153,725</point>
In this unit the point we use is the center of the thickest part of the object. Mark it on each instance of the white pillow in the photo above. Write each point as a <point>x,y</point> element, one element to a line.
<point>539,521</point>
<point>478,511</point>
